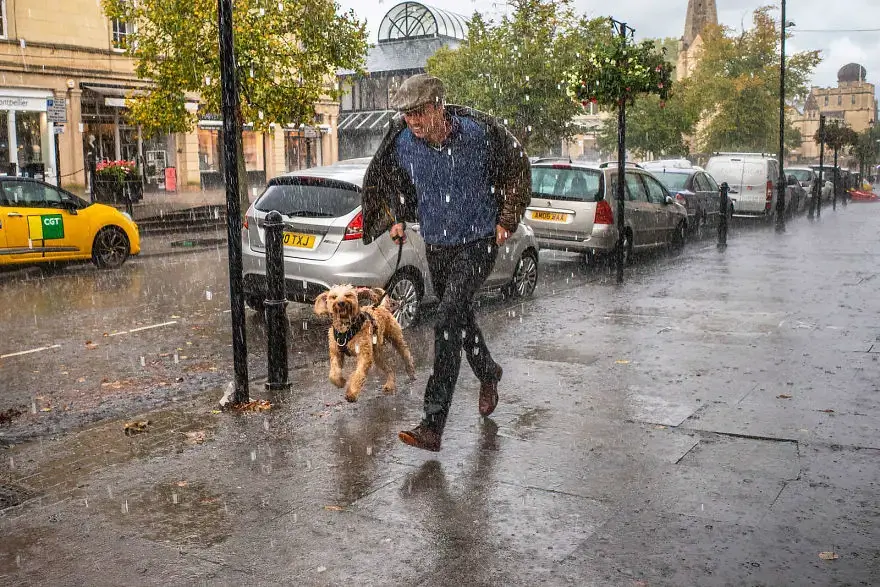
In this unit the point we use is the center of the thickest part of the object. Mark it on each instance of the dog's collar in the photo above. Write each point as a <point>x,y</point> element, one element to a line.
<point>345,337</point>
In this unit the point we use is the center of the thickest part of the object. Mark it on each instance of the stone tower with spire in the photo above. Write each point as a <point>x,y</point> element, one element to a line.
<point>700,14</point>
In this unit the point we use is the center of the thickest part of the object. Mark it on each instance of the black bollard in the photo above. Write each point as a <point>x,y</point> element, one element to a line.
<point>724,209</point>
<point>276,303</point>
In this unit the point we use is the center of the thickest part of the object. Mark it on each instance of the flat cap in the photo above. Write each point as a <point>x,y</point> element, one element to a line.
<point>418,90</point>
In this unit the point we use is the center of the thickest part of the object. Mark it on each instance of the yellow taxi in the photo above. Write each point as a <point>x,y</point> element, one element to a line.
<point>43,224</point>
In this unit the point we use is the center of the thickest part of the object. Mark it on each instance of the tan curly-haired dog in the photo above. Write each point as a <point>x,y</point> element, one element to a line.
<point>361,332</point>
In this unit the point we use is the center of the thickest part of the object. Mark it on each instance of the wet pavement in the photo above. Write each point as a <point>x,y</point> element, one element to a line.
<point>712,422</point>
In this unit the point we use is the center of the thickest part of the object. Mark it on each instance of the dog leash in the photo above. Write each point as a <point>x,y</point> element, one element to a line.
<point>399,241</point>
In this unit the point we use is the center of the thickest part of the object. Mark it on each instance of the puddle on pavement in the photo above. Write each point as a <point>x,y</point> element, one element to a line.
<point>181,512</point>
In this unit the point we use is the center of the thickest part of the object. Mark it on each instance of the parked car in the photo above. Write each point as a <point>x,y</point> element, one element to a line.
<point>827,172</point>
<point>41,224</point>
<point>323,244</point>
<point>753,179</point>
<point>693,188</point>
<point>806,177</point>
<point>574,206</point>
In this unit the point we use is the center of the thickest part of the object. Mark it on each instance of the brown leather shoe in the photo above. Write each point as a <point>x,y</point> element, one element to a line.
<point>489,393</point>
<point>421,437</point>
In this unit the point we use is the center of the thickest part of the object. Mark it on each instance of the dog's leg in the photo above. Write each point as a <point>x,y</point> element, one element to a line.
<point>394,333</point>
<point>383,363</point>
<point>336,360</point>
<point>364,350</point>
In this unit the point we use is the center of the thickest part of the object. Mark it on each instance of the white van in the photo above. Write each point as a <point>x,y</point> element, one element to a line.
<point>753,179</point>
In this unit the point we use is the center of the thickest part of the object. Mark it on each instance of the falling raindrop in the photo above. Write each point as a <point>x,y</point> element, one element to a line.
<point>125,507</point>
<point>476,351</point>
<point>266,424</point>
<point>445,337</point>
<point>33,406</point>
<point>208,295</point>
<point>174,498</point>
<point>280,6</point>
<point>305,325</point>
<point>375,339</point>
<point>447,198</point>
<point>369,451</point>
<point>176,359</point>
<point>253,455</point>
<point>262,12</point>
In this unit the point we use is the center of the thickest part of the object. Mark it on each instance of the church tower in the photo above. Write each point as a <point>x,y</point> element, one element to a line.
<point>700,14</point>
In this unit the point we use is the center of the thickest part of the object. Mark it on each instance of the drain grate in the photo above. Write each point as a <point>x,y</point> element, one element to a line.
<point>12,495</point>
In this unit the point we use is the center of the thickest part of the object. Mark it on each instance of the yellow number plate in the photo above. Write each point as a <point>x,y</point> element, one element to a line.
<point>550,216</point>
<point>300,241</point>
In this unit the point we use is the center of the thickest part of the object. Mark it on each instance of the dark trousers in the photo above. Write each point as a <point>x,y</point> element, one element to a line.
<point>457,273</point>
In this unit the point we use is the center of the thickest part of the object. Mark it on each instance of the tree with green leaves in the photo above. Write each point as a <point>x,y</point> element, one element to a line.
<point>516,69</point>
<point>286,53</point>
<point>736,86</point>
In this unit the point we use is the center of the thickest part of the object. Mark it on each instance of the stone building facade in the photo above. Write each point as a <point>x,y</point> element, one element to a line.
<point>852,102</point>
<point>64,84</point>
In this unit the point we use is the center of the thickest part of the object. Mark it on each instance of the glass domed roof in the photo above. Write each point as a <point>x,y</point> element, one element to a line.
<point>409,20</point>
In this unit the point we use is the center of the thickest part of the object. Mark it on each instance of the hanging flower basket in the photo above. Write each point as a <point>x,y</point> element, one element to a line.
<point>617,70</point>
<point>117,181</point>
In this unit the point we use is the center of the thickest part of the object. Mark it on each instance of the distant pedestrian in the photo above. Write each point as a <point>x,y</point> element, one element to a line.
<point>466,180</point>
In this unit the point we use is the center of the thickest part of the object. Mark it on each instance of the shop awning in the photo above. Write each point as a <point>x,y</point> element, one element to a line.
<point>365,121</point>
<point>115,96</point>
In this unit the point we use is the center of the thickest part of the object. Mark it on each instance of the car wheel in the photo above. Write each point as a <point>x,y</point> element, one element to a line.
<point>110,248</point>
<point>256,303</point>
<point>679,236</point>
<point>405,291</point>
<point>525,276</point>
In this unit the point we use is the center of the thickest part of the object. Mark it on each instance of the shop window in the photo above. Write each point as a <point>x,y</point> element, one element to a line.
<point>209,149</point>
<point>27,131</point>
<point>4,137</point>
<point>3,31</point>
<point>252,146</point>
<point>121,30</point>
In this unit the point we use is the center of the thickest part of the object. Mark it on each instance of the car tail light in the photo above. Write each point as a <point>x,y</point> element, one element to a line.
<point>681,199</point>
<point>604,215</point>
<point>355,228</point>
<point>245,223</point>
<point>769,194</point>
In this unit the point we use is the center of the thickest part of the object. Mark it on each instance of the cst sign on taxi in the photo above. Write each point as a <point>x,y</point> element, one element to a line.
<point>46,227</point>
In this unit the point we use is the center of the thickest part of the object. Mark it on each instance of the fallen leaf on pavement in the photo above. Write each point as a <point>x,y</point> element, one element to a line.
<point>622,362</point>
<point>827,411</point>
<point>90,345</point>
<point>783,396</point>
<point>659,427</point>
<point>136,427</point>
<point>257,405</point>
<point>46,409</point>
<point>182,483</point>
<point>196,437</point>
<point>829,556</point>
<point>334,508</point>
<point>216,411</point>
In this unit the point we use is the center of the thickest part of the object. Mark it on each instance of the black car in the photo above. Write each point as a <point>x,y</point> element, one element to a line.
<point>691,187</point>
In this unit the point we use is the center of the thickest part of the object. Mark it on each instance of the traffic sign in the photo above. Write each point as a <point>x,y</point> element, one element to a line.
<point>56,109</point>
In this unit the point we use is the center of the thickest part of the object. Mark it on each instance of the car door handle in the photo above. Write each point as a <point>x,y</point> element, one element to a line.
<point>15,215</point>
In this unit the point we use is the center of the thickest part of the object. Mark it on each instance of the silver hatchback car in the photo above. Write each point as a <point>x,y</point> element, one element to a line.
<point>574,205</point>
<point>323,244</point>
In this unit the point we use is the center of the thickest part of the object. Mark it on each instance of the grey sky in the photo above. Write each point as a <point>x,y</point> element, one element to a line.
<point>651,18</point>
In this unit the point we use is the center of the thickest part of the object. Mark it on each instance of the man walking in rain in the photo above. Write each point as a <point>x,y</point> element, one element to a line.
<point>466,180</point>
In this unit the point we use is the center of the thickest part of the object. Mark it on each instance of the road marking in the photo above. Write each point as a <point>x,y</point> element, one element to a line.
<point>133,330</point>
<point>42,348</point>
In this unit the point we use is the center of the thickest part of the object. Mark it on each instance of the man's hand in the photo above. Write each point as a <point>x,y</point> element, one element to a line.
<point>398,233</point>
<point>501,234</point>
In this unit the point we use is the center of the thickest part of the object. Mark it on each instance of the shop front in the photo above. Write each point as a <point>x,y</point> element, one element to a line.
<point>211,153</point>
<point>302,147</point>
<point>27,143</point>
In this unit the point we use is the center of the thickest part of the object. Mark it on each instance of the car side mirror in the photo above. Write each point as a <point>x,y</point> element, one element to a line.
<point>669,200</point>
<point>70,206</point>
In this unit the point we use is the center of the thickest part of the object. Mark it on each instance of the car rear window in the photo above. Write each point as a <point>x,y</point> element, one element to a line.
<point>800,174</point>
<point>564,183</point>
<point>672,181</point>
<point>310,197</point>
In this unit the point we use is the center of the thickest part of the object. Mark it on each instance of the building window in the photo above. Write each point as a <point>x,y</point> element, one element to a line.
<point>3,31</point>
<point>839,100</point>
<point>121,30</point>
<point>252,147</point>
<point>854,99</point>
<point>826,100</point>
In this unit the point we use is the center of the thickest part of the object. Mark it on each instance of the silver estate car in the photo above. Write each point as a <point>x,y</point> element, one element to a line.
<point>323,244</point>
<point>574,206</point>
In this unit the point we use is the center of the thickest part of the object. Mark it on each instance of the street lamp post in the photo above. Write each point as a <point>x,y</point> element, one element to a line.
<point>624,31</point>
<point>780,199</point>
<point>231,146</point>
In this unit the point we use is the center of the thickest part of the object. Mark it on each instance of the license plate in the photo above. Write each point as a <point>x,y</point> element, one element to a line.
<point>550,216</point>
<point>298,240</point>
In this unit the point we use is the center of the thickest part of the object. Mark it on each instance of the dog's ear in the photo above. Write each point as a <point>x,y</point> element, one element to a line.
<point>321,305</point>
<point>369,293</point>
